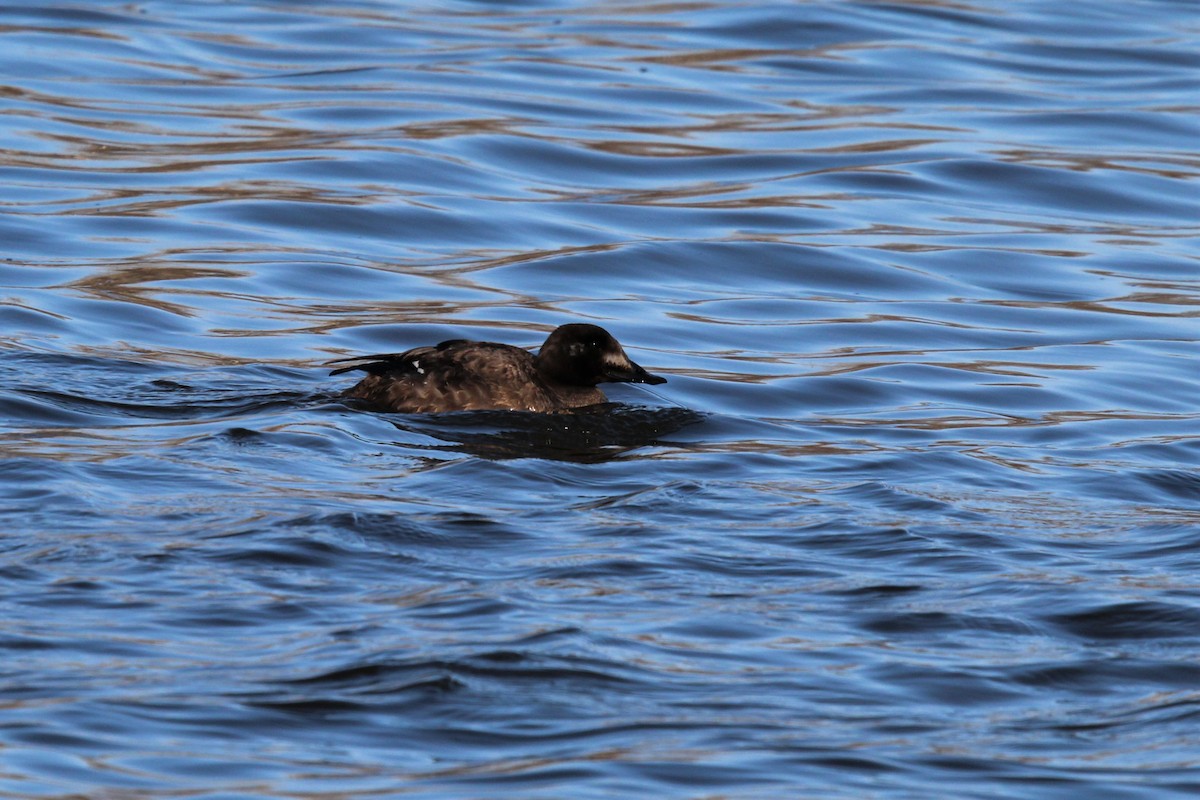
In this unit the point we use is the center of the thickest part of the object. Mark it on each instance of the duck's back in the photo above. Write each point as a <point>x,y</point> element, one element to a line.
<point>457,375</point>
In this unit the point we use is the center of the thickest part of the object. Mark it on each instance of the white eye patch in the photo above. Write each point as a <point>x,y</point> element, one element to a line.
<point>615,362</point>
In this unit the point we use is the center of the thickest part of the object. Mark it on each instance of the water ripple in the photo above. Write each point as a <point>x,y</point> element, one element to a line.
<point>918,503</point>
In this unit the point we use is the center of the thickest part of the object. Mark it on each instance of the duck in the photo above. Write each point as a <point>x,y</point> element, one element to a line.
<point>463,375</point>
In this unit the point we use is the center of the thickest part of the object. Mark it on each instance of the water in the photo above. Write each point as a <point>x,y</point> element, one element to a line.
<point>918,507</point>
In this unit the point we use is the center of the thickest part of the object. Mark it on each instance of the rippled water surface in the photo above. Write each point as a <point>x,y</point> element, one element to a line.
<point>918,508</point>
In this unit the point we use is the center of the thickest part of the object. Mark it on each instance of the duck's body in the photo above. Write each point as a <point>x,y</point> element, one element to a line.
<point>461,375</point>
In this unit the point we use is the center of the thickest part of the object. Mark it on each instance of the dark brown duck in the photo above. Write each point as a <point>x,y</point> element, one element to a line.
<point>460,375</point>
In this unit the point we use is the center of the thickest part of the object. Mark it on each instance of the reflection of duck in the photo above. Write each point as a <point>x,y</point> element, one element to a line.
<point>459,375</point>
<point>583,437</point>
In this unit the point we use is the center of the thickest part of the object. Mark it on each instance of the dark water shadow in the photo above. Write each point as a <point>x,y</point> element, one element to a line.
<point>40,390</point>
<point>601,433</point>
<point>232,405</point>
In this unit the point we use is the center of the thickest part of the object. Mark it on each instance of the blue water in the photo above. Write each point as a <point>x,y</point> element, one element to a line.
<point>917,513</point>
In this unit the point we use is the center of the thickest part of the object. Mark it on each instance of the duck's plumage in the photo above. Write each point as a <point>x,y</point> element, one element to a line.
<point>461,375</point>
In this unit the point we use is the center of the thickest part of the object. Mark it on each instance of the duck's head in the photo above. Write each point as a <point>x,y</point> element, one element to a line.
<point>584,355</point>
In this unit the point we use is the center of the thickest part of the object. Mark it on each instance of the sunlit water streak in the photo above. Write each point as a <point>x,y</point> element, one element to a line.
<point>918,507</point>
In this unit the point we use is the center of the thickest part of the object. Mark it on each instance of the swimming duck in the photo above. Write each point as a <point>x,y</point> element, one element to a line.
<point>461,375</point>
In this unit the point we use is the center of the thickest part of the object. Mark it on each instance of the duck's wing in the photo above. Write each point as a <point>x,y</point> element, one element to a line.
<point>454,357</point>
<point>458,375</point>
<point>381,363</point>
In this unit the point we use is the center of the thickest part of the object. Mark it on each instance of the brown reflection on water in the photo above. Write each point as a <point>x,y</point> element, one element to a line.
<point>127,283</point>
<point>690,196</point>
<point>180,282</point>
<point>473,126</point>
<point>1109,306</point>
<point>134,203</point>
<point>659,149</point>
<point>1182,166</point>
<point>1014,369</point>
<point>996,419</point>
<point>744,59</point>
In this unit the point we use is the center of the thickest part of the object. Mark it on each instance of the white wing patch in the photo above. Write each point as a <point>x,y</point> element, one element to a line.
<point>417,366</point>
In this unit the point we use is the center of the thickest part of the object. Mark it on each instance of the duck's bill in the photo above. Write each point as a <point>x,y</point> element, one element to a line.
<point>632,374</point>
